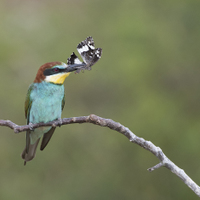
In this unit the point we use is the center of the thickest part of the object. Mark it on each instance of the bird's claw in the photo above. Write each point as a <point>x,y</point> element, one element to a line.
<point>31,126</point>
<point>58,122</point>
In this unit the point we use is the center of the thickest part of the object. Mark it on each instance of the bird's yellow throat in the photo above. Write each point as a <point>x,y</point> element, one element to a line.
<point>57,78</point>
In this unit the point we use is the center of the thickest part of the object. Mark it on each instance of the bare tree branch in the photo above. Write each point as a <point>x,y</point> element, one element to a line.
<point>94,119</point>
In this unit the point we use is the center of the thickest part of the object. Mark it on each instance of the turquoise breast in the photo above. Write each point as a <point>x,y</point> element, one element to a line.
<point>46,106</point>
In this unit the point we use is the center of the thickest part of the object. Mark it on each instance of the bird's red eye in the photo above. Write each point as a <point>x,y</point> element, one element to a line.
<point>56,69</point>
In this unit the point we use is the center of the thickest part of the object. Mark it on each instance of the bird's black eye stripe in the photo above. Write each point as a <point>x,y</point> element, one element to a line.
<point>51,71</point>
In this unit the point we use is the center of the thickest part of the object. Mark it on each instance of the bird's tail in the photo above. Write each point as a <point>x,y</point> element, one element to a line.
<point>29,154</point>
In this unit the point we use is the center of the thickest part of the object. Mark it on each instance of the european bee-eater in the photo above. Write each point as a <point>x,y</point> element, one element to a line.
<point>45,101</point>
<point>45,98</point>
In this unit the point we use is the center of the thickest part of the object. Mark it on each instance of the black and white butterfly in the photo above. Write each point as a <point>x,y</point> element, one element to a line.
<point>89,54</point>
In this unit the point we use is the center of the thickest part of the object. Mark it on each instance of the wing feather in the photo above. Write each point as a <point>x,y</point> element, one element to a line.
<point>28,102</point>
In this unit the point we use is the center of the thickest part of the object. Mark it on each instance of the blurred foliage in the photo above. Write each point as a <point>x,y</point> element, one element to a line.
<point>147,79</point>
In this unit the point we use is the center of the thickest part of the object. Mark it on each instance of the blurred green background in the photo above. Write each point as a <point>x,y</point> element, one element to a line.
<point>147,79</point>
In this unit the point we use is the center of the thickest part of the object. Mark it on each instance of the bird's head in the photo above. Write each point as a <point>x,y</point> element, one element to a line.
<point>55,72</point>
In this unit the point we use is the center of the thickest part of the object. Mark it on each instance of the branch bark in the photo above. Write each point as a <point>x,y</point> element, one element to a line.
<point>94,119</point>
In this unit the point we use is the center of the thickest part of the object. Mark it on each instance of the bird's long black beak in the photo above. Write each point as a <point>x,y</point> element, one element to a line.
<point>74,67</point>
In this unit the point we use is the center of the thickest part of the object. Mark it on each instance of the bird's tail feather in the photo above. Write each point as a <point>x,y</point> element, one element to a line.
<point>47,136</point>
<point>31,152</point>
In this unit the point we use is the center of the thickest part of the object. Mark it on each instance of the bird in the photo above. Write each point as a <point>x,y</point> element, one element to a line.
<point>44,102</point>
<point>45,98</point>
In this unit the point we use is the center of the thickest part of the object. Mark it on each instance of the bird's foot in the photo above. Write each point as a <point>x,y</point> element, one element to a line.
<point>31,126</point>
<point>58,122</point>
